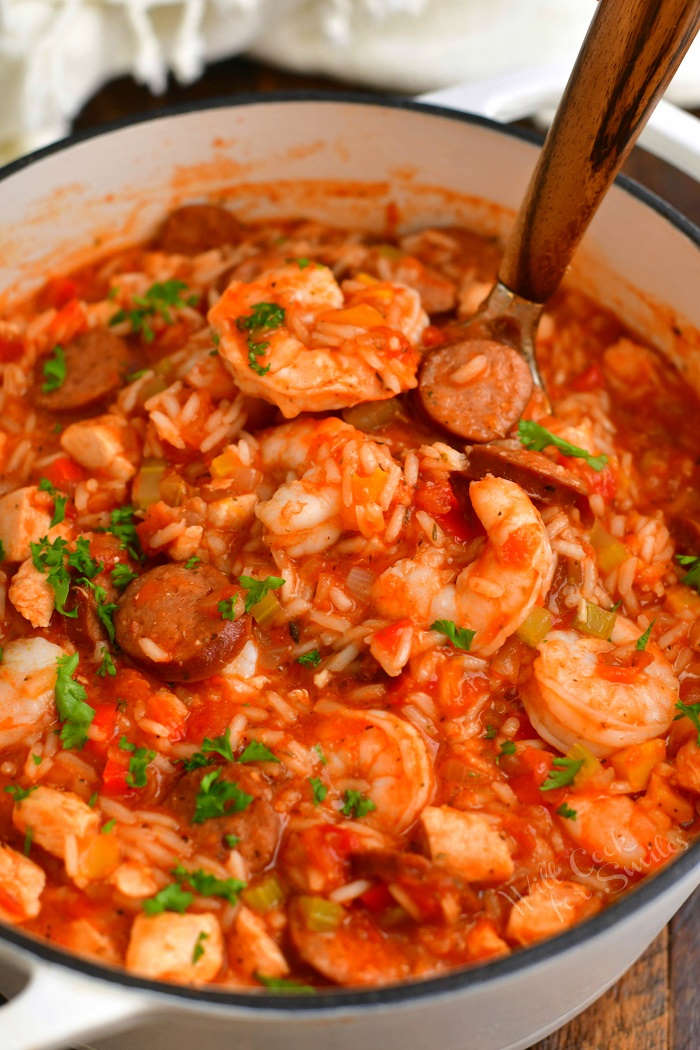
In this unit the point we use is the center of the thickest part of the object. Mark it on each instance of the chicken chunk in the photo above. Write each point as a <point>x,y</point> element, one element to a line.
<point>688,766</point>
<point>55,816</point>
<point>21,885</point>
<point>551,906</point>
<point>105,443</point>
<point>182,948</point>
<point>31,595</point>
<point>472,845</point>
<point>252,947</point>
<point>24,518</point>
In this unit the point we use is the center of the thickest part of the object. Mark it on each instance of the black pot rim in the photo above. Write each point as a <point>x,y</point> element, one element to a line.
<point>350,1001</point>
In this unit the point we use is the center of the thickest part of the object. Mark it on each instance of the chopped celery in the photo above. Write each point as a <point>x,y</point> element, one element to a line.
<point>536,626</point>
<point>598,622</point>
<point>173,490</point>
<point>265,611</point>
<point>372,414</point>
<point>266,895</point>
<point>590,765</point>
<point>320,914</point>
<point>146,487</point>
<point>610,552</point>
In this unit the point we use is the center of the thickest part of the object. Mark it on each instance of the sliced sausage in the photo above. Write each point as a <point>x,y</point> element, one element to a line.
<point>542,479</point>
<point>168,621</point>
<point>96,363</point>
<point>476,388</point>
<point>196,228</point>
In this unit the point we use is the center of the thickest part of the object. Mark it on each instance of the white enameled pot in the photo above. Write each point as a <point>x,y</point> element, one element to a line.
<point>343,160</point>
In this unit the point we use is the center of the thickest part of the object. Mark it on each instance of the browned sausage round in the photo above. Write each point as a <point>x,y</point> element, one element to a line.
<point>542,479</point>
<point>96,363</point>
<point>169,622</point>
<point>476,389</point>
<point>196,228</point>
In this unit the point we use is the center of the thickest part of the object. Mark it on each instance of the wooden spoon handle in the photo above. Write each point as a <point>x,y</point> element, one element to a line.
<point>631,51</point>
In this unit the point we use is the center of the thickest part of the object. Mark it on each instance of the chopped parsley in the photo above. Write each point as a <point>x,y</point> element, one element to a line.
<point>54,371</point>
<point>19,793</point>
<point>107,665</point>
<point>2,552</point>
<point>105,610</point>
<point>232,840</point>
<point>92,801</point>
<point>219,745</point>
<point>691,711</point>
<point>138,763</point>
<point>567,811</point>
<point>121,525</point>
<point>82,561</point>
<point>263,317</point>
<point>171,898</point>
<point>59,501</point>
<point>461,637</point>
<point>106,828</point>
<point>507,748</point>
<point>192,562</point>
<point>533,436</point>
<point>303,263</point>
<point>73,711</point>
<point>692,563</point>
<point>257,589</point>
<point>136,374</point>
<point>321,757</point>
<point>564,773</point>
<point>156,301</point>
<point>257,752</point>
<point>37,759</point>
<point>50,558</point>
<point>318,789</point>
<point>643,639</point>
<point>208,885</point>
<point>198,950</point>
<point>28,839</point>
<point>356,805</point>
<point>310,659</point>
<point>218,798</point>
<point>490,732</point>
<point>122,576</point>
<point>229,608</point>
<point>284,984</point>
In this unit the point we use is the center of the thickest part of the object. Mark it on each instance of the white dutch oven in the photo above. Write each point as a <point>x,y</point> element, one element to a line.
<point>350,157</point>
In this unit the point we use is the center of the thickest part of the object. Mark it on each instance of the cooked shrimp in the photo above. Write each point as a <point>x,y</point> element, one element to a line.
<point>346,482</point>
<point>594,692</point>
<point>495,593</point>
<point>27,680</point>
<point>619,831</point>
<point>314,350</point>
<point>380,756</point>
<point>354,953</point>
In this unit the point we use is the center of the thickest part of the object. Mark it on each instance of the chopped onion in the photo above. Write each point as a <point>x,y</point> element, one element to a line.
<point>359,582</point>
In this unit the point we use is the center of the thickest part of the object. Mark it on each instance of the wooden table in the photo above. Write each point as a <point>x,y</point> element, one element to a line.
<point>656,1005</point>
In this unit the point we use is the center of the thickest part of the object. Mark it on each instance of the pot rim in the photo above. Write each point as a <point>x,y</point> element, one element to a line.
<point>253,1001</point>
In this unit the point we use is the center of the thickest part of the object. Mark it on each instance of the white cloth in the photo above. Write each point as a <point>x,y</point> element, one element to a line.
<point>55,53</point>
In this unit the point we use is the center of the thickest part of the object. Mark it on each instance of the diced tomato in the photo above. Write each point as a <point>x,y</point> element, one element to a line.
<point>326,849</point>
<point>156,517</point>
<point>114,777</point>
<point>10,349</point>
<point>387,637</point>
<point>105,720</point>
<point>211,711</point>
<point>68,322</point>
<point>526,785</point>
<point>64,472</point>
<point>458,525</point>
<point>433,336</point>
<point>392,216</point>
<point>436,497</point>
<point>377,898</point>
<point>590,379</point>
<point>58,291</point>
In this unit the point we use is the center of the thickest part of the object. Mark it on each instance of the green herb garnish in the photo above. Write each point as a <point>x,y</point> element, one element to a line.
<point>691,711</point>
<point>198,950</point>
<point>643,639</point>
<point>310,659</point>
<point>257,589</point>
<point>59,501</point>
<point>257,752</point>
<point>533,436</point>
<point>461,637</point>
<point>73,711</point>
<point>318,789</point>
<point>107,665</point>
<point>19,793</point>
<point>564,773</point>
<point>208,885</point>
<point>567,811</point>
<point>692,563</point>
<point>122,576</point>
<point>157,300</point>
<point>218,798</point>
<point>355,804</point>
<point>54,371</point>
<point>171,898</point>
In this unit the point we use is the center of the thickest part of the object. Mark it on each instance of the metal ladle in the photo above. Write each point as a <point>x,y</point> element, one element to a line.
<point>630,53</point>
